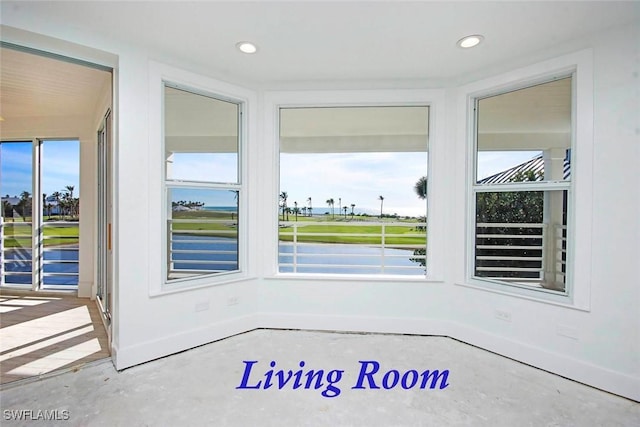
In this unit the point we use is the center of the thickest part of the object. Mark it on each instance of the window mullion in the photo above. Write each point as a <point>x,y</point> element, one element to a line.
<point>200,184</point>
<point>522,186</point>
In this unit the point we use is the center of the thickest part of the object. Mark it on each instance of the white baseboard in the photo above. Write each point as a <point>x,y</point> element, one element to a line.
<point>568,367</point>
<point>85,290</point>
<point>146,351</point>
<point>384,325</point>
<point>559,364</point>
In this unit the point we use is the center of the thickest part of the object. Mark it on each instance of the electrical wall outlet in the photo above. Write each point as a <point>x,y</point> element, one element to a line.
<point>503,315</point>
<point>202,306</point>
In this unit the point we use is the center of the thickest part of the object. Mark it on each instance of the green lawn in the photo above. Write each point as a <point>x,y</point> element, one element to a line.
<point>340,226</point>
<point>203,215</point>
<point>212,229</point>
<point>364,234</point>
<point>356,233</point>
<point>228,225</point>
<point>20,235</point>
<point>16,235</point>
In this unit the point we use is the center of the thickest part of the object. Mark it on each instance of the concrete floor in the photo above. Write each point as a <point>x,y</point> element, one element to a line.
<point>199,387</point>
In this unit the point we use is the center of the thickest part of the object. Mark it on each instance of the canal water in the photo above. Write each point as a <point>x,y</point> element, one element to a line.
<point>63,262</point>
<point>193,252</point>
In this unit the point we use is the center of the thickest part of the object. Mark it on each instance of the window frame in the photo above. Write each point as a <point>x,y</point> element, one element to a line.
<point>579,66</point>
<point>426,202</point>
<point>201,185</point>
<point>434,100</point>
<point>519,187</point>
<point>162,76</point>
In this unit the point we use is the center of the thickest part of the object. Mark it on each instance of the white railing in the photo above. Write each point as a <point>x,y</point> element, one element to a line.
<point>54,262</point>
<point>519,253</point>
<point>59,261</point>
<point>560,259</point>
<point>201,246</point>
<point>504,251</point>
<point>510,251</point>
<point>378,248</point>
<point>16,265</point>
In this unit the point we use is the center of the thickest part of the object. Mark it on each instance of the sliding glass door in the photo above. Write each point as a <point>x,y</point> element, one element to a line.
<point>16,238</point>
<point>40,234</point>
<point>104,220</point>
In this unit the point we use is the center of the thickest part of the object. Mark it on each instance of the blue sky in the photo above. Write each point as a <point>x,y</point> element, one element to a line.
<point>360,178</point>
<point>357,178</point>
<point>60,167</point>
<point>206,196</point>
<point>492,162</point>
<point>205,167</point>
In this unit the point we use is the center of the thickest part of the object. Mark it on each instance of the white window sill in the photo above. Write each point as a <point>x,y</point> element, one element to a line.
<point>545,297</point>
<point>199,283</point>
<point>353,278</point>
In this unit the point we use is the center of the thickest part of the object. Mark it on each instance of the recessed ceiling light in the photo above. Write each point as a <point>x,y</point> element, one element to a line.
<point>470,41</point>
<point>246,47</point>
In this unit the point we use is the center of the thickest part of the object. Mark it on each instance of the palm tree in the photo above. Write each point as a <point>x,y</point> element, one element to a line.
<point>7,209</point>
<point>345,208</point>
<point>421,187</point>
<point>56,196</point>
<point>331,203</point>
<point>353,205</point>
<point>64,205</point>
<point>44,202</point>
<point>381,202</point>
<point>339,205</point>
<point>25,205</point>
<point>310,208</point>
<point>283,202</point>
<point>70,189</point>
<point>296,211</point>
<point>70,201</point>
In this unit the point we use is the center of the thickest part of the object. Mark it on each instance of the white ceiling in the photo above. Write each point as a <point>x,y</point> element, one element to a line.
<point>36,86</point>
<point>334,41</point>
<point>300,42</point>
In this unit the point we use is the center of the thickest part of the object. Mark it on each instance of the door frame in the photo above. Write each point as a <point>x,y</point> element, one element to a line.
<point>104,220</point>
<point>89,56</point>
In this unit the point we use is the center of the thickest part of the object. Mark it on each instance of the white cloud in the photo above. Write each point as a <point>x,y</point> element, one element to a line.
<point>355,178</point>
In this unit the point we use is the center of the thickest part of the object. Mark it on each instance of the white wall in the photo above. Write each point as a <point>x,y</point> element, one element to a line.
<point>146,326</point>
<point>605,352</point>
